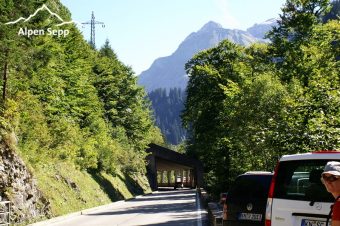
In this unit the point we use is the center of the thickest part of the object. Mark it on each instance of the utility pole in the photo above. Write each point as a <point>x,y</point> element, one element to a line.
<point>93,23</point>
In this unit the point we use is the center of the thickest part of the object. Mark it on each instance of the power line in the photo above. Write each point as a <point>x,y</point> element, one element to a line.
<point>93,23</point>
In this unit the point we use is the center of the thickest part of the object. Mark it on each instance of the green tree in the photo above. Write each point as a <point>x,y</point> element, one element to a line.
<point>294,29</point>
<point>243,113</point>
<point>298,51</point>
<point>216,76</point>
<point>125,104</point>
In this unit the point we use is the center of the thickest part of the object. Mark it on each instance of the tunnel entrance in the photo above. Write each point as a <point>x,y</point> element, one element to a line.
<point>170,174</point>
<point>167,168</point>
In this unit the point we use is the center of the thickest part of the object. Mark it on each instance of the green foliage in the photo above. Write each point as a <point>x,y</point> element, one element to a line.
<point>334,13</point>
<point>246,107</point>
<point>68,110</point>
<point>296,25</point>
<point>66,101</point>
<point>126,108</point>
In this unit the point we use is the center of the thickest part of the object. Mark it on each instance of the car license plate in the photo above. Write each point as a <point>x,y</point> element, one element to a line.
<point>306,222</point>
<point>250,216</point>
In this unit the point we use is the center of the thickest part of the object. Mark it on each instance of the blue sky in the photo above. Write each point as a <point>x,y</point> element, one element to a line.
<point>142,30</point>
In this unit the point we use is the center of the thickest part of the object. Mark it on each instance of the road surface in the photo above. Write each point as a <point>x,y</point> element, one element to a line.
<point>164,208</point>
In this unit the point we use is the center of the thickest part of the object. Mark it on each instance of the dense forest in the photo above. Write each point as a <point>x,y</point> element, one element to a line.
<point>64,101</point>
<point>67,101</point>
<point>247,106</point>
<point>167,108</point>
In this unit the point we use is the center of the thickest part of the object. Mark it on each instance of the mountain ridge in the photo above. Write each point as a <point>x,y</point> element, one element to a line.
<point>168,71</point>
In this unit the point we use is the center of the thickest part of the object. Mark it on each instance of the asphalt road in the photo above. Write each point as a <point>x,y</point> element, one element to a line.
<point>164,208</point>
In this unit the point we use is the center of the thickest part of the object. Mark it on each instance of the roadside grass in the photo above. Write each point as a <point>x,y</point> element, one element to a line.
<point>69,189</point>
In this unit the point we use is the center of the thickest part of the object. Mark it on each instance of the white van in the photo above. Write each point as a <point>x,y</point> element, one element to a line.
<point>297,196</point>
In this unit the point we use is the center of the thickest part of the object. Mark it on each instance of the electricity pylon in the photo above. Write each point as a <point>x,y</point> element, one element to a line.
<point>93,23</point>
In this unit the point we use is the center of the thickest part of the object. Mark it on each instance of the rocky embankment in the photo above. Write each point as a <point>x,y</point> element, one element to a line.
<point>18,186</point>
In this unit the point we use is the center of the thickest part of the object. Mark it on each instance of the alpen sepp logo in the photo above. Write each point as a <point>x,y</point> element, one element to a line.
<point>24,31</point>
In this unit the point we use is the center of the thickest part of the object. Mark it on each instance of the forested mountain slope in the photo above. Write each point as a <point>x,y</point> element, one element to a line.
<point>168,107</point>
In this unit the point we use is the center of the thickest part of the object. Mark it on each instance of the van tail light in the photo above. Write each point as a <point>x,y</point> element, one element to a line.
<point>272,184</point>
<point>268,221</point>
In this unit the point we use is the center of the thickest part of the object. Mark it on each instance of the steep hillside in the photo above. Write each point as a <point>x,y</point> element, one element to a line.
<point>78,122</point>
<point>57,188</point>
<point>167,108</point>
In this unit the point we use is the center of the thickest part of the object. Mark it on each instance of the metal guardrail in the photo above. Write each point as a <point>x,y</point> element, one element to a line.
<point>5,213</point>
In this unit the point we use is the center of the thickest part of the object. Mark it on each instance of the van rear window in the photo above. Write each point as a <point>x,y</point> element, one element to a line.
<point>247,186</point>
<point>300,180</point>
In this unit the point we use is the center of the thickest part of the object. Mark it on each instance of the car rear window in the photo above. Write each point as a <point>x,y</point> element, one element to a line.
<point>250,186</point>
<point>300,180</point>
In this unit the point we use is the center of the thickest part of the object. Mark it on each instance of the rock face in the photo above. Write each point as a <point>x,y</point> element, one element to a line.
<point>18,186</point>
<point>168,72</point>
<point>259,30</point>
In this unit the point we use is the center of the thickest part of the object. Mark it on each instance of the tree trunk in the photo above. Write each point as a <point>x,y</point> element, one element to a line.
<point>4,86</point>
<point>4,82</point>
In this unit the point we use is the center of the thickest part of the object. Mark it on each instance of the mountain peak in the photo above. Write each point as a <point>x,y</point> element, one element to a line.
<point>169,72</point>
<point>259,30</point>
<point>271,21</point>
<point>211,25</point>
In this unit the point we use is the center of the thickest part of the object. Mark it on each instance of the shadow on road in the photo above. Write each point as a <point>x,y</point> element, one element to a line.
<point>184,210</point>
<point>149,209</point>
<point>184,196</point>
